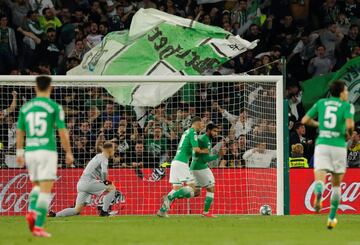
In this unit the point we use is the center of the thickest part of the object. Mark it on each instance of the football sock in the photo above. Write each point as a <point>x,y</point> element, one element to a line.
<point>319,187</point>
<point>208,201</point>
<point>108,198</point>
<point>184,192</point>
<point>335,200</point>
<point>33,197</point>
<point>42,206</point>
<point>67,212</point>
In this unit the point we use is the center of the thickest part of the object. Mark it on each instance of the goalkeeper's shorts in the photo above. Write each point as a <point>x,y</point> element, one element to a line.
<point>87,188</point>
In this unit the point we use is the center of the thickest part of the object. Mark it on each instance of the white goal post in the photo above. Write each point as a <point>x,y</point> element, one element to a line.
<point>99,81</point>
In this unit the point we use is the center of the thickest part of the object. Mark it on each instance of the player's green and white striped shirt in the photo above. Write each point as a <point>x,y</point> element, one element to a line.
<point>38,118</point>
<point>199,161</point>
<point>188,141</point>
<point>332,114</point>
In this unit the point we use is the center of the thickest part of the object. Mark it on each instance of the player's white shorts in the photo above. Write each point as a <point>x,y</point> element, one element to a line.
<point>330,158</point>
<point>203,177</point>
<point>41,164</point>
<point>87,188</point>
<point>180,173</point>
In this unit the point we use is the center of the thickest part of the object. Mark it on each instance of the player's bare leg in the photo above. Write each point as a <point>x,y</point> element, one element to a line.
<point>42,208</point>
<point>320,177</point>
<point>335,199</point>
<point>208,201</point>
<point>33,197</point>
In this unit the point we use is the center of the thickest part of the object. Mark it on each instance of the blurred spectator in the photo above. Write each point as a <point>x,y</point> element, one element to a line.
<point>298,136</point>
<point>94,36</point>
<point>81,151</point>
<point>349,42</point>
<point>259,157</point>
<point>139,158</point>
<point>156,144</point>
<point>8,47</point>
<point>241,124</point>
<point>39,6</point>
<point>110,114</point>
<point>48,20</point>
<point>354,150</point>
<point>19,9</point>
<point>50,51</point>
<point>78,50</point>
<point>320,65</point>
<point>297,159</point>
<point>4,119</point>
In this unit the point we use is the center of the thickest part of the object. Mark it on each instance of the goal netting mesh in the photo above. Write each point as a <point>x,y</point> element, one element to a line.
<point>246,176</point>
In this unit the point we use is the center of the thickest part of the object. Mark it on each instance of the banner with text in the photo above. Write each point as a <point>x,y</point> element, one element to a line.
<point>302,188</point>
<point>142,196</point>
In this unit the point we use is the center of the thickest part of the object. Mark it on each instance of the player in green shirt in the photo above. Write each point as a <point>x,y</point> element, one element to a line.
<point>201,171</point>
<point>335,121</point>
<point>179,170</point>
<point>37,120</point>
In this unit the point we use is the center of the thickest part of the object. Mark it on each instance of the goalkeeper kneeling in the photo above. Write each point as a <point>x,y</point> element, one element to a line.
<point>93,181</point>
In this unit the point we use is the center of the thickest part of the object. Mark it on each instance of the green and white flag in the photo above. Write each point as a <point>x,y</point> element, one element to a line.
<point>318,87</point>
<point>159,44</point>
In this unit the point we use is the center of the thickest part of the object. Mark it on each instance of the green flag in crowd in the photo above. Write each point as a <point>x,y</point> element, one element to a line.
<point>317,87</point>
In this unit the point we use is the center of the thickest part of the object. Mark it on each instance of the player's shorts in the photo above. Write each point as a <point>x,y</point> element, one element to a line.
<point>41,164</point>
<point>180,173</point>
<point>330,158</point>
<point>87,188</point>
<point>203,177</point>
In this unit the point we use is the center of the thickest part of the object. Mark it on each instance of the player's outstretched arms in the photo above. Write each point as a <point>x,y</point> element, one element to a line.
<point>65,142</point>
<point>306,120</point>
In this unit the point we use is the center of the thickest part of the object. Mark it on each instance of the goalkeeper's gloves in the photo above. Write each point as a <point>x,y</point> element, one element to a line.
<point>107,182</point>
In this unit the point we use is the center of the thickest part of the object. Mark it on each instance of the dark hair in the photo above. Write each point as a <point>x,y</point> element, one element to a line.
<point>353,25</point>
<point>211,126</point>
<point>298,125</point>
<point>336,88</point>
<point>43,82</point>
<point>108,145</point>
<point>44,10</point>
<point>195,119</point>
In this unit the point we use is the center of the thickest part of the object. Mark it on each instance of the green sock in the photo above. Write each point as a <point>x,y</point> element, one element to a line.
<point>319,187</point>
<point>335,200</point>
<point>208,201</point>
<point>42,208</point>
<point>33,197</point>
<point>184,192</point>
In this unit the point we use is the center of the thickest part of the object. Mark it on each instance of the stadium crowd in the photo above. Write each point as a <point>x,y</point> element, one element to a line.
<point>51,36</point>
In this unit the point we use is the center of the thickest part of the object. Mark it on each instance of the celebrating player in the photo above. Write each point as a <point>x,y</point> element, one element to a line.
<point>199,168</point>
<point>335,119</point>
<point>179,170</point>
<point>37,120</point>
<point>93,181</point>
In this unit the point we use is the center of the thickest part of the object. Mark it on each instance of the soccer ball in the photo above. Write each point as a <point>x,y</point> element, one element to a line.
<point>265,210</point>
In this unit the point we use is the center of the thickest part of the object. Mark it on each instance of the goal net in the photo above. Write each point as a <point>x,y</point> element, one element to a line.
<point>247,109</point>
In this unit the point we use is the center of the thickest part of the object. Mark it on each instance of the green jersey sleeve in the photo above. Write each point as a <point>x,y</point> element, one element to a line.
<point>313,112</point>
<point>21,123</point>
<point>350,111</point>
<point>60,117</point>
<point>193,138</point>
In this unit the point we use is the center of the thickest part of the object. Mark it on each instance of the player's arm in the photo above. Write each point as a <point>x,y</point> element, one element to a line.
<point>349,117</point>
<point>104,171</point>
<point>64,135</point>
<point>195,144</point>
<point>308,118</point>
<point>20,135</point>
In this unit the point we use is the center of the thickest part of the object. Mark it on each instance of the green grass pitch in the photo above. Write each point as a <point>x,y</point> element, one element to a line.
<point>183,230</point>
